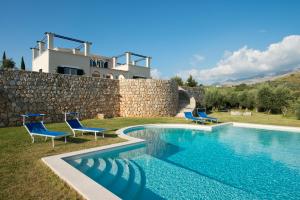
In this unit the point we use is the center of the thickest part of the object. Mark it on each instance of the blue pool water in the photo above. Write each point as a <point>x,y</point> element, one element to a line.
<point>228,163</point>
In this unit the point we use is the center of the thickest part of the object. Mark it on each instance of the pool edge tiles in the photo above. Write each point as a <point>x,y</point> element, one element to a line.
<point>84,185</point>
<point>90,189</point>
<point>267,127</point>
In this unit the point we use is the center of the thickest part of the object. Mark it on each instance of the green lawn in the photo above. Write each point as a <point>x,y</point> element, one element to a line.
<point>24,176</point>
<point>259,118</point>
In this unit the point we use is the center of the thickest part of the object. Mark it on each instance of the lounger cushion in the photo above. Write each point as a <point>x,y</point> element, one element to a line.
<point>204,115</point>
<point>38,128</point>
<point>189,115</point>
<point>74,123</point>
<point>35,126</point>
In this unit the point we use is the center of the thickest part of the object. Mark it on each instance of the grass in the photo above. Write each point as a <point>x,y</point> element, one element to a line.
<point>25,176</point>
<point>258,118</point>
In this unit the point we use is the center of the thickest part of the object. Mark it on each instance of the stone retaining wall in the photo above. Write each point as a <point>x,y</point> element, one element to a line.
<point>148,98</point>
<point>53,94</point>
<point>197,93</point>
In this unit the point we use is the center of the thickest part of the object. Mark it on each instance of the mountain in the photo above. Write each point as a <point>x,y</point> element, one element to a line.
<point>259,79</point>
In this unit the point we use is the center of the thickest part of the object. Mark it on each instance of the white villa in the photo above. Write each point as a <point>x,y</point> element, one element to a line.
<point>80,61</point>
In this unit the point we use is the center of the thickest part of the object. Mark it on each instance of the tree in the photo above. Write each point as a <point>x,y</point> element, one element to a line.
<point>241,87</point>
<point>231,99</point>
<point>247,98</point>
<point>8,63</point>
<point>3,56</point>
<point>22,64</point>
<point>297,109</point>
<point>178,80</point>
<point>213,99</point>
<point>265,98</point>
<point>191,82</point>
<point>251,101</point>
<point>243,99</point>
<point>282,99</point>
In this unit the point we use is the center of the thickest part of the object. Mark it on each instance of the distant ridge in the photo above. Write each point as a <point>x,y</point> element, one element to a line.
<point>259,79</point>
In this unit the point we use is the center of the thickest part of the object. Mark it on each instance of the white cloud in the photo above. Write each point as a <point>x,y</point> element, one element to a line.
<point>247,62</point>
<point>155,73</point>
<point>196,59</point>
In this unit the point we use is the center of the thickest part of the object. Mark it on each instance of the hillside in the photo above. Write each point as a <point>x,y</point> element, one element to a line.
<point>261,79</point>
<point>291,80</point>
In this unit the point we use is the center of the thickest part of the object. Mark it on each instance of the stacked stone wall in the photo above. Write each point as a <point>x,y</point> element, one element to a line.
<point>197,93</point>
<point>53,94</point>
<point>148,98</point>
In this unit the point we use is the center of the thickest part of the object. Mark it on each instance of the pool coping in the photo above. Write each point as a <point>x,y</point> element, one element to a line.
<point>91,190</point>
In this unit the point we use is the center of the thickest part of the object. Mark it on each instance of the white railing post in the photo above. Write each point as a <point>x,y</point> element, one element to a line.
<point>114,62</point>
<point>50,41</point>
<point>41,47</point>
<point>128,58</point>
<point>86,48</point>
<point>148,61</point>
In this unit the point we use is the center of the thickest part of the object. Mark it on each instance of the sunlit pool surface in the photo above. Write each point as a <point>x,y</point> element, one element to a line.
<point>228,163</point>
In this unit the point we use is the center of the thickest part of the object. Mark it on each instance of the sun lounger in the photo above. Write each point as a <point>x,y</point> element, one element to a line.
<point>75,125</point>
<point>190,116</point>
<point>203,115</point>
<point>39,129</point>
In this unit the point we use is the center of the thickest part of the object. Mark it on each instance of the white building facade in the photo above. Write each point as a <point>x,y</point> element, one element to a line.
<point>79,61</point>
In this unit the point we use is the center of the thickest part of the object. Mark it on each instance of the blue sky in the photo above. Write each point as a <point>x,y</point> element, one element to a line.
<point>182,36</point>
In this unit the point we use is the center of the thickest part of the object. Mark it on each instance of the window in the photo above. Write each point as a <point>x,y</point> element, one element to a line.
<point>138,77</point>
<point>98,63</point>
<point>69,70</point>
<point>105,65</point>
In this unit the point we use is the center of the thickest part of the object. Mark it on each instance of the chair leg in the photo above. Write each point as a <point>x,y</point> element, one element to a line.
<point>102,135</point>
<point>74,133</point>
<point>65,139</point>
<point>53,142</point>
<point>45,138</point>
<point>95,136</point>
<point>32,139</point>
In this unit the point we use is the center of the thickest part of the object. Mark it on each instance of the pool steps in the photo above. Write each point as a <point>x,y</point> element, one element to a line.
<point>123,177</point>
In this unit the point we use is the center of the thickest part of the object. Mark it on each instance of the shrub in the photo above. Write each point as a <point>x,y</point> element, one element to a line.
<point>8,64</point>
<point>297,109</point>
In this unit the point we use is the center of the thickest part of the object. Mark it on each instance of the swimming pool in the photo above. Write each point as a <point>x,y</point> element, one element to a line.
<point>179,163</point>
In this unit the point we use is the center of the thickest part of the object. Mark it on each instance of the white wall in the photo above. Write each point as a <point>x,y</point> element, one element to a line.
<point>41,62</point>
<point>139,71</point>
<point>51,59</point>
<point>58,58</point>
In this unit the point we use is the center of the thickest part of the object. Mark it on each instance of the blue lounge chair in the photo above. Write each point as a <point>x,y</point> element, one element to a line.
<point>75,125</point>
<point>39,129</point>
<point>190,116</point>
<point>208,118</point>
